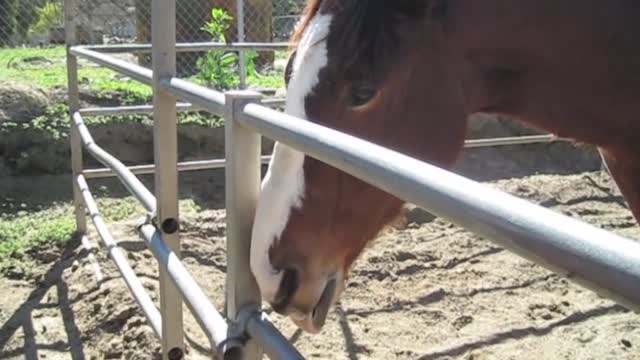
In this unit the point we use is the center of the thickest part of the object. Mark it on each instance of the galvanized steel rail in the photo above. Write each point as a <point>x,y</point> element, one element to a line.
<point>132,183</point>
<point>191,47</point>
<point>150,169</point>
<point>138,291</point>
<point>136,72</point>
<point>204,312</point>
<point>176,284</point>
<point>210,319</point>
<point>148,109</point>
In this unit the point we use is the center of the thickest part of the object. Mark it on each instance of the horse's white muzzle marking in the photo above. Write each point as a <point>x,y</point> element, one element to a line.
<point>283,186</point>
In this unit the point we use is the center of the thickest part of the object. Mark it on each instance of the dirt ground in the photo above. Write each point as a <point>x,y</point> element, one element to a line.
<point>426,290</point>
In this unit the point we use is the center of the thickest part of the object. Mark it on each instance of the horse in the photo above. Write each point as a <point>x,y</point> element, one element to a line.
<point>408,75</point>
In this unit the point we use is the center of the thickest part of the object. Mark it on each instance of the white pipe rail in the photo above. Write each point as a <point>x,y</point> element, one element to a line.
<point>242,68</point>
<point>132,183</point>
<point>199,165</point>
<point>136,72</point>
<point>511,140</point>
<point>129,110</point>
<point>274,344</point>
<point>194,93</point>
<point>148,109</point>
<point>206,314</point>
<point>73,95</point>
<point>209,319</point>
<point>138,291</point>
<point>150,169</point>
<point>192,47</point>
<point>242,185</point>
<point>165,156</point>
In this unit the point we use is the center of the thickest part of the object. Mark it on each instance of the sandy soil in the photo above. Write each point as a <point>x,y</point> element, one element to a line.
<point>427,290</point>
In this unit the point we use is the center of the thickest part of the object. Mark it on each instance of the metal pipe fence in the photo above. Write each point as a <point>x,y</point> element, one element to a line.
<point>222,163</point>
<point>597,259</point>
<point>132,183</point>
<point>162,228</point>
<point>116,254</point>
<point>191,47</point>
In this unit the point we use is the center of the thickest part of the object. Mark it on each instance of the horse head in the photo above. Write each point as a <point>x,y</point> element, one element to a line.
<point>373,69</point>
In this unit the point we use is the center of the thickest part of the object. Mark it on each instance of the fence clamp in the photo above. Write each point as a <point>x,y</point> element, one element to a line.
<point>238,326</point>
<point>237,331</point>
<point>148,219</point>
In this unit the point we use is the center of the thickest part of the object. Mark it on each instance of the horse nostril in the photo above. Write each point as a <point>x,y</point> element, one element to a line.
<point>288,287</point>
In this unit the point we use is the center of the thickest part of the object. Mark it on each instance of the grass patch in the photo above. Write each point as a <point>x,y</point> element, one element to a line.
<point>46,67</point>
<point>270,80</point>
<point>25,233</point>
<point>55,124</point>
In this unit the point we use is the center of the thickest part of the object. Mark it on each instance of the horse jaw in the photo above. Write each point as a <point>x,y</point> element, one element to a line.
<point>283,186</point>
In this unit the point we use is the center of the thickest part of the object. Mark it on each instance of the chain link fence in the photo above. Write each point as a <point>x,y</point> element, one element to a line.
<point>29,23</point>
<point>39,23</point>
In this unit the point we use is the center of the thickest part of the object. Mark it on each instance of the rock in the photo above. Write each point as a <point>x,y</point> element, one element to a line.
<point>15,273</point>
<point>97,307</point>
<point>124,313</point>
<point>114,349</point>
<point>21,102</point>
<point>46,255</point>
<point>417,215</point>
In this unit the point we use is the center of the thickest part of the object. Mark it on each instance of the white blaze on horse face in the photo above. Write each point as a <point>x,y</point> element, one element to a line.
<point>283,185</point>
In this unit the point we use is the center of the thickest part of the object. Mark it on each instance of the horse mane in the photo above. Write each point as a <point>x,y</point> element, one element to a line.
<point>310,10</point>
<point>369,32</point>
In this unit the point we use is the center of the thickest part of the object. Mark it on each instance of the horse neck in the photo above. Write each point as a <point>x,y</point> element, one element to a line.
<point>549,65</point>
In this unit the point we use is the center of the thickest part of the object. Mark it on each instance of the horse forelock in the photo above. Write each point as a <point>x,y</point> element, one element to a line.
<point>366,30</point>
<point>311,9</point>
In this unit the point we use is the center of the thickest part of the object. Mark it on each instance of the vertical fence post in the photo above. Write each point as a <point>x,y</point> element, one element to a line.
<point>242,69</point>
<point>74,105</point>
<point>165,147</point>
<point>242,149</point>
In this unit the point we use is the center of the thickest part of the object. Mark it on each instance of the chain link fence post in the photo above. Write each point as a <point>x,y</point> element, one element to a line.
<point>242,68</point>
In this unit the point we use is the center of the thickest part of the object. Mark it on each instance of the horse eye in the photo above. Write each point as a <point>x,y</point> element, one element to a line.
<point>361,94</point>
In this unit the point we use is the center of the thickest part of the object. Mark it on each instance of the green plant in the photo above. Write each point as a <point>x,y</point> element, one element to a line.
<point>218,68</point>
<point>49,16</point>
<point>30,231</point>
<point>219,24</point>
